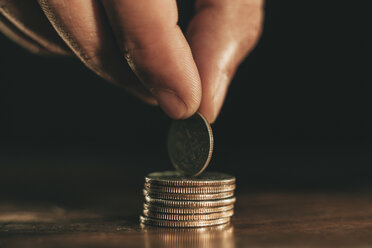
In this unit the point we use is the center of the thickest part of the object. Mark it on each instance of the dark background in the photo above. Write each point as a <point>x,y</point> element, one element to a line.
<point>298,113</point>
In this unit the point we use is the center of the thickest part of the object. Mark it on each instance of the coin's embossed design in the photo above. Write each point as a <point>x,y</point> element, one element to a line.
<point>190,144</point>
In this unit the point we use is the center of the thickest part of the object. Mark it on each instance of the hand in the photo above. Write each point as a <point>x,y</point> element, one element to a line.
<point>139,46</point>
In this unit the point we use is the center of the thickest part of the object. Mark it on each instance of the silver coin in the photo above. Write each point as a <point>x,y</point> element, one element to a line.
<point>188,197</point>
<point>189,190</point>
<point>174,178</point>
<point>170,223</point>
<point>190,144</point>
<point>189,204</point>
<point>181,217</point>
<point>175,210</point>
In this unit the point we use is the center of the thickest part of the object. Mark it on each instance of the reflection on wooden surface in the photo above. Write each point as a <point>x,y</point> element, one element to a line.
<point>218,236</point>
<point>261,220</point>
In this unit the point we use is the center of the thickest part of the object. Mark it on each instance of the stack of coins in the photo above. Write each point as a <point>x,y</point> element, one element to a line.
<point>174,200</point>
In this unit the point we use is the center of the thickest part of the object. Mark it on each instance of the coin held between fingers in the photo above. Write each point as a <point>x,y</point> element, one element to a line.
<point>190,144</point>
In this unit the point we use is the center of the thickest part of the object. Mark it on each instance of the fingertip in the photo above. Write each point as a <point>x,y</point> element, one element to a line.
<point>172,104</point>
<point>209,114</point>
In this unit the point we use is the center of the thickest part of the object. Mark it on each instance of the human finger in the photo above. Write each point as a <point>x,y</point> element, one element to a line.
<point>25,20</point>
<point>85,29</point>
<point>157,51</point>
<point>221,34</point>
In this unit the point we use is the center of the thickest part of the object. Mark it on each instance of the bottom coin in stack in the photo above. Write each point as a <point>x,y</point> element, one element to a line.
<point>177,217</point>
<point>184,223</point>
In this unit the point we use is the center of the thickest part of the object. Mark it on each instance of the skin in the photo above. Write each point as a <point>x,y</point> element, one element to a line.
<point>138,45</point>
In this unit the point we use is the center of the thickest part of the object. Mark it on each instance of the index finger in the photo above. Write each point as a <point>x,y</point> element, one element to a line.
<point>157,51</point>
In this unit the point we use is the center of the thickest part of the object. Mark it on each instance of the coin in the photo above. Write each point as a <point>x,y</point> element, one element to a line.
<point>174,200</point>
<point>188,197</point>
<point>189,233</point>
<point>181,217</point>
<point>174,178</point>
<point>174,210</point>
<point>190,144</point>
<point>189,204</point>
<point>168,223</point>
<point>190,190</point>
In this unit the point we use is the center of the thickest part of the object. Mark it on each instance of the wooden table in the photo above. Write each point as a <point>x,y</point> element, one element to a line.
<point>261,220</point>
<point>98,206</point>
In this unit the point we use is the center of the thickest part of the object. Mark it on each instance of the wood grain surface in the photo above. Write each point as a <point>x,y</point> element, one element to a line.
<point>281,219</point>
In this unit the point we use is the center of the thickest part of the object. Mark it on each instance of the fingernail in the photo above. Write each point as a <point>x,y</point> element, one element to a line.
<point>170,102</point>
<point>151,101</point>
